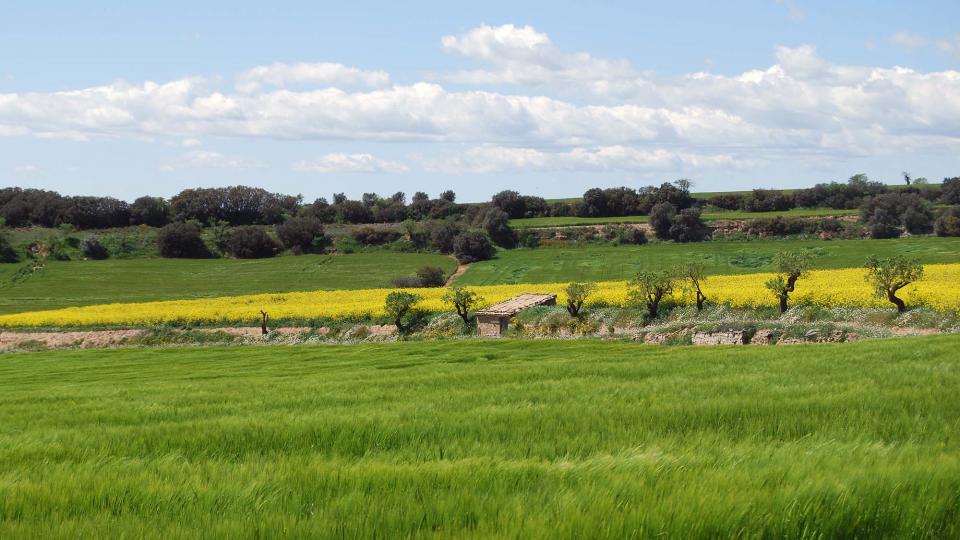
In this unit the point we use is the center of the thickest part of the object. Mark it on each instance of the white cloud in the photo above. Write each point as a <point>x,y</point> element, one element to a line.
<point>191,143</point>
<point>802,105</point>
<point>318,74</point>
<point>205,159</point>
<point>493,159</point>
<point>522,55</point>
<point>26,169</point>
<point>908,39</point>
<point>348,163</point>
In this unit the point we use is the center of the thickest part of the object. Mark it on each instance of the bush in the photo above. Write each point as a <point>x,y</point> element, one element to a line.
<point>91,248</point>
<point>301,235</point>
<point>432,276</point>
<point>948,224</point>
<point>181,241</point>
<point>495,222</point>
<point>688,227</point>
<point>951,191</point>
<point>7,253</point>
<point>374,236</point>
<point>661,219</point>
<point>528,238</point>
<point>471,247</point>
<point>885,214</point>
<point>250,242</point>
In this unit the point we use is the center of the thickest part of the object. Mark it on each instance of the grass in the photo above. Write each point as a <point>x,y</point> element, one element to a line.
<point>508,439</point>
<point>541,222</point>
<point>610,263</point>
<point>77,283</point>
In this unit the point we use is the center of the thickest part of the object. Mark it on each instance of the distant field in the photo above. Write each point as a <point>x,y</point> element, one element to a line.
<point>528,223</point>
<point>505,439</point>
<point>609,263</point>
<point>76,283</point>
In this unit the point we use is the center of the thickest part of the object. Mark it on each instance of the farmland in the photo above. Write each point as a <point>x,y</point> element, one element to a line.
<point>502,439</point>
<point>529,223</point>
<point>610,263</point>
<point>78,283</point>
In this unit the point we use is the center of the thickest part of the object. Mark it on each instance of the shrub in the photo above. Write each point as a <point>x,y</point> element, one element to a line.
<point>301,235</point>
<point>528,238</point>
<point>432,276</point>
<point>688,227</point>
<point>406,282</point>
<point>91,248</point>
<point>661,219</point>
<point>471,247</point>
<point>250,242</point>
<point>374,236</point>
<point>951,191</point>
<point>886,213</point>
<point>625,234</point>
<point>181,241</point>
<point>948,224</point>
<point>7,253</point>
<point>495,223</point>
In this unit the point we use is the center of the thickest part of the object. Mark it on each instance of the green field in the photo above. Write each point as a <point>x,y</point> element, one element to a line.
<point>76,283</point>
<point>509,439</point>
<point>539,222</point>
<point>601,263</point>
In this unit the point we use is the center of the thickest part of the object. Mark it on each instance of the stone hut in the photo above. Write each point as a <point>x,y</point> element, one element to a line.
<point>493,321</point>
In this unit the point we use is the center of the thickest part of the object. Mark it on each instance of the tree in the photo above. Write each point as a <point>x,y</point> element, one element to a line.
<point>694,275</point>
<point>250,242</point>
<point>790,266</point>
<point>151,211</point>
<point>91,248</point>
<point>463,300</point>
<point>577,294</point>
<point>398,304</point>
<point>182,241</point>
<point>906,177</point>
<point>448,196</point>
<point>496,223</point>
<point>948,224</point>
<point>510,202</point>
<point>471,247</point>
<point>7,253</point>
<point>649,288</point>
<point>661,219</point>
<point>951,191</point>
<point>301,235</point>
<point>887,276</point>
<point>431,276</point>
<point>688,227</point>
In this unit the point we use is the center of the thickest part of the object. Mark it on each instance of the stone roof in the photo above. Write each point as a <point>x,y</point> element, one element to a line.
<point>518,303</point>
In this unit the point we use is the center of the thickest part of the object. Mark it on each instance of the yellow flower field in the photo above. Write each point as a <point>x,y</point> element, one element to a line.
<point>940,289</point>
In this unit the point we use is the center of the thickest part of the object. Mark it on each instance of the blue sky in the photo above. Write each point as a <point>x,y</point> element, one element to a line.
<point>543,97</point>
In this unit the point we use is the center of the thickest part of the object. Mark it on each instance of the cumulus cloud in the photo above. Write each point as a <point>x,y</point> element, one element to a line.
<point>908,39</point>
<point>800,105</point>
<point>522,55</point>
<point>205,159</point>
<point>348,163</point>
<point>487,159</point>
<point>316,74</point>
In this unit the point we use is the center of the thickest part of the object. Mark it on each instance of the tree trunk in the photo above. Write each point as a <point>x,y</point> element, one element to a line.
<point>892,296</point>
<point>653,308</point>
<point>783,303</point>
<point>263,323</point>
<point>700,299</point>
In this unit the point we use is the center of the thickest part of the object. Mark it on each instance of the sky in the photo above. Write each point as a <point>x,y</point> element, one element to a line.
<point>547,98</point>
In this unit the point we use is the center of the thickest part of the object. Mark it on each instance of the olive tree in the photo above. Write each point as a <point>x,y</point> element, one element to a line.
<point>398,304</point>
<point>649,288</point>
<point>887,276</point>
<point>463,300</point>
<point>693,273</point>
<point>790,266</point>
<point>577,294</point>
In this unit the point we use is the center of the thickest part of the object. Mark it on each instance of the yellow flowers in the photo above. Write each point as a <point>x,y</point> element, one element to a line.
<point>940,289</point>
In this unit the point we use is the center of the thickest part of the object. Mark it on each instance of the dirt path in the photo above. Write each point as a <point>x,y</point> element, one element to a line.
<point>461,268</point>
